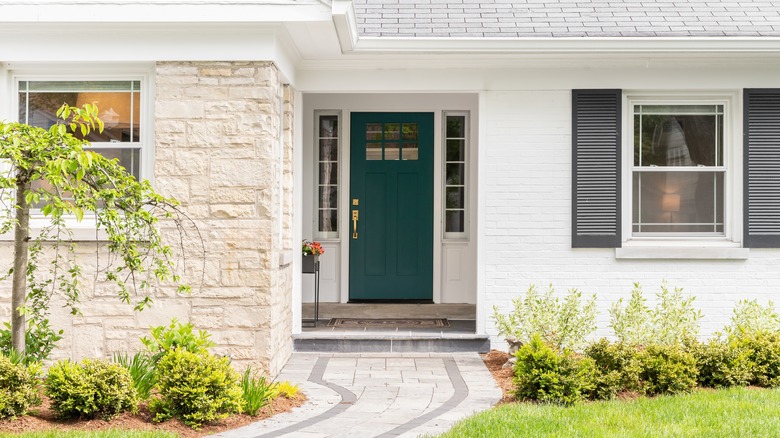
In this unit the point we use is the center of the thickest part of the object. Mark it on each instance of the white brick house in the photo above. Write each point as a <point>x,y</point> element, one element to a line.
<point>485,146</point>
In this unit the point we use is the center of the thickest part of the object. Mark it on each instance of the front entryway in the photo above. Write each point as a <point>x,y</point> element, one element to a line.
<point>391,206</point>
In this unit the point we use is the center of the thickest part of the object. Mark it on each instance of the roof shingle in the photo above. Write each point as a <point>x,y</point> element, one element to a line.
<point>567,18</point>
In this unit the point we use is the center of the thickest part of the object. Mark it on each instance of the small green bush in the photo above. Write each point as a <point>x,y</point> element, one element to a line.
<point>547,375</point>
<point>749,317</point>
<point>617,368</point>
<point>141,369</point>
<point>562,324</point>
<point>195,387</point>
<point>18,387</point>
<point>722,364</point>
<point>40,340</point>
<point>673,321</point>
<point>667,369</point>
<point>764,348</point>
<point>93,388</point>
<point>176,335</point>
<point>256,392</point>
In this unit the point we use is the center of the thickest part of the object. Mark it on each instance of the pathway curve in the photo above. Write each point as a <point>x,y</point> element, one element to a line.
<point>379,395</point>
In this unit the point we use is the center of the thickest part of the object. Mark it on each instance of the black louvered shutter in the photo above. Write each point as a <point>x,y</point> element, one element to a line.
<point>762,168</point>
<point>596,144</point>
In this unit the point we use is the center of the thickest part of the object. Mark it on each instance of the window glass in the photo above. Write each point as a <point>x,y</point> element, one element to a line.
<point>328,179</point>
<point>455,175</point>
<point>678,174</point>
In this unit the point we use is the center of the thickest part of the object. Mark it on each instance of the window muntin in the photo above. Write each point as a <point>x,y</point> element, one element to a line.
<point>678,172</point>
<point>455,181</point>
<point>119,105</point>
<point>399,141</point>
<point>328,176</point>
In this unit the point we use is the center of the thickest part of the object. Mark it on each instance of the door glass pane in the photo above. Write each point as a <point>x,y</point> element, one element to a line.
<point>410,151</point>
<point>410,131</point>
<point>455,174</point>
<point>374,151</point>
<point>392,151</point>
<point>328,220</point>
<point>328,196</point>
<point>455,150</point>
<point>373,131</point>
<point>455,126</point>
<point>329,173</point>
<point>678,202</point>
<point>455,221</point>
<point>455,197</point>
<point>392,131</point>
<point>329,126</point>
<point>329,149</point>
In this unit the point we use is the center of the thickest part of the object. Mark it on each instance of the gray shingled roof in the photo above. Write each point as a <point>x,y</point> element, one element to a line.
<point>566,18</point>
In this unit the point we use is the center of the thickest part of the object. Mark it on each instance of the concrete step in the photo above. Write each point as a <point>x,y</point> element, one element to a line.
<point>389,343</point>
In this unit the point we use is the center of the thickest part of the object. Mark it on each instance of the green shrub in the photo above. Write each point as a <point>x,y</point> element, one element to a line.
<point>749,317</point>
<point>547,375</point>
<point>673,321</point>
<point>18,387</point>
<point>617,368</point>
<point>562,324</point>
<point>40,340</point>
<point>285,389</point>
<point>256,392</point>
<point>722,364</point>
<point>141,369</point>
<point>93,388</point>
<point>195,387</point>
<point>667,369</point>
<point>176,335</point>
<point>764,348</point>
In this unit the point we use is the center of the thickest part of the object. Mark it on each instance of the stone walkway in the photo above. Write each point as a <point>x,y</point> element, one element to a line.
<point>379,395</point>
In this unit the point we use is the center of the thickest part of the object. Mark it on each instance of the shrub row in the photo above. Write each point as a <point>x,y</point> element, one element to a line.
<point>545,373</point>
<point>176,373</point>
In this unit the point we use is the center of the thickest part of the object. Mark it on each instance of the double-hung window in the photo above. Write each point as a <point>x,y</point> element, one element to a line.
<point>678,170</point>
<point>119,105</point>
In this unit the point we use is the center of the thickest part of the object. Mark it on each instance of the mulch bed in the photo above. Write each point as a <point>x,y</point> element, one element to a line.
<point>495,360</point>
<point>42,418</point>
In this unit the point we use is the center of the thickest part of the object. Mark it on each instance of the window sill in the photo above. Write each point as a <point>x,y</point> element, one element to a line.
<point>84,231</point>
<point>682,251</point>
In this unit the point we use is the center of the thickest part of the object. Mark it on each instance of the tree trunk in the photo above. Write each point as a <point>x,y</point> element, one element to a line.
<point>21,247</point>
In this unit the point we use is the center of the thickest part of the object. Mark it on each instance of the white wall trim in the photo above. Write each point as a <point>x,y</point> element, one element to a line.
<point>297,218</point>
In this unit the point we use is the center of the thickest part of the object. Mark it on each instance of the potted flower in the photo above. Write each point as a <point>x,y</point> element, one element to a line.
<point>311,253</point>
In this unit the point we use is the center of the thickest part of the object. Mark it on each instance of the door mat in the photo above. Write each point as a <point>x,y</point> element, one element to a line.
<point>388,323</point>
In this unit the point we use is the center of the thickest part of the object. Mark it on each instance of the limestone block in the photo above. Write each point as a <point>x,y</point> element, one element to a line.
<point>232,195</point>
<point>234,173</point>
<point>162,311</point>
<point>233,210</point>
<point>88,341</point>
<point>234,337</point>
<point>243,317</point>
<point>188,109</point>
<point>175,187</point>
<point>191,162</point>
<point>175,69</point>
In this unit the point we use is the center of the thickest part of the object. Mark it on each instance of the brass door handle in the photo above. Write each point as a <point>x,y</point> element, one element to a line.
<point>354,224</point>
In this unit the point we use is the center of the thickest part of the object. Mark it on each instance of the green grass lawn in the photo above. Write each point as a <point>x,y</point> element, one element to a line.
<point>97,434</point>
<point>736,412</point>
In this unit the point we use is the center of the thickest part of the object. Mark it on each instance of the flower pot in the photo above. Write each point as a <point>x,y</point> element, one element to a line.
<point>309,262</point>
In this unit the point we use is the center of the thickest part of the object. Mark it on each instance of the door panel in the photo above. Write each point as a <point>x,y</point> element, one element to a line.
<point>391,174</point>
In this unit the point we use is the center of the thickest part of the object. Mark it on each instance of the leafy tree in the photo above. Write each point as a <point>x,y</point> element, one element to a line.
<point>51,170</point>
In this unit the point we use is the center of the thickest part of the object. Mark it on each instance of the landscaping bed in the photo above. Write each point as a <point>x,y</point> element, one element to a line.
<point>42,418</point>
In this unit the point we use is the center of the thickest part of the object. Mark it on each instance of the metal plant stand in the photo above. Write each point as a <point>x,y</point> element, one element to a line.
<point>311,265</point>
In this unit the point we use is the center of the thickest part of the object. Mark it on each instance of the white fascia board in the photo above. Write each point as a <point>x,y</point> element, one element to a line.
<point>568,45</point>
<point>346,24</point>
<point>170,11</point>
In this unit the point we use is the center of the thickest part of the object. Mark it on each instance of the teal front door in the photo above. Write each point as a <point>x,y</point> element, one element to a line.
<point>391,206</point>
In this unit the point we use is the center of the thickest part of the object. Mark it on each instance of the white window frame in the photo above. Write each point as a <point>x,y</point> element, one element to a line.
<point>327,235</point>
<point>467,183</point>
<point>703,245</point>
<point>86,230</point>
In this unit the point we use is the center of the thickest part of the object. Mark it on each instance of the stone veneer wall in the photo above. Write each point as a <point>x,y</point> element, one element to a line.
<point>224,150</point>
